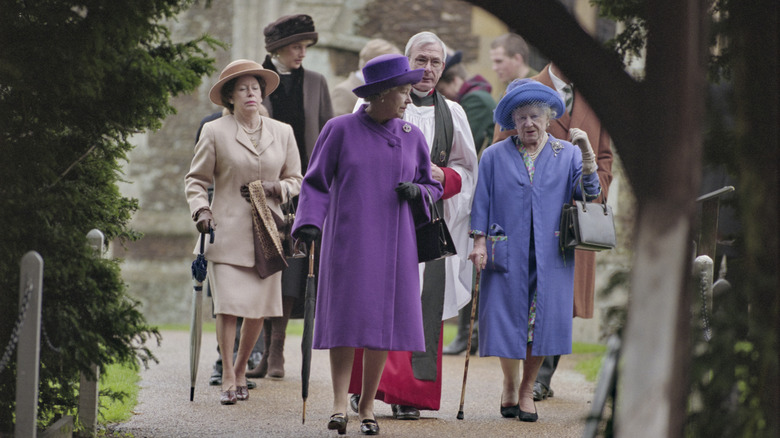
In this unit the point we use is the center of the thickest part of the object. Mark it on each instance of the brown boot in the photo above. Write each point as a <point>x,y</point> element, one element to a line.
<point>278,334</point>
<point>262,368</point>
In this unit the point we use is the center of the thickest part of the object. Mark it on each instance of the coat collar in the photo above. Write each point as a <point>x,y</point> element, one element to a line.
<point>266,139</point>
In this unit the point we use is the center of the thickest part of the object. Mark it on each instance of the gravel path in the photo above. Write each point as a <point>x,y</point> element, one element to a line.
<point>274,409</point>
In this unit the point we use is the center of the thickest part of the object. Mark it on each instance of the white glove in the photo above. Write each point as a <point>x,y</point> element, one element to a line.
<point>580,138</point>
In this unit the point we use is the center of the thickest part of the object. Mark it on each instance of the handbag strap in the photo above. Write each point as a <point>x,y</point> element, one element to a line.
<point>433,210</point>
<point>585,203</point>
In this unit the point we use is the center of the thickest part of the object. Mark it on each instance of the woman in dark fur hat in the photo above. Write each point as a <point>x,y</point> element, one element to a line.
<point>302,101</point>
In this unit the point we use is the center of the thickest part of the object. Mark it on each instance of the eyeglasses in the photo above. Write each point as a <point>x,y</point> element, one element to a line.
<point>422,61</point>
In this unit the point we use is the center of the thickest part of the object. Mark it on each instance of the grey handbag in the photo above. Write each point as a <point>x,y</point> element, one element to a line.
<point>587,225</point>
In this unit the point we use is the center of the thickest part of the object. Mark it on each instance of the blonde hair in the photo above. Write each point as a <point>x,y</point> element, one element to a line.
<point>374,48</point>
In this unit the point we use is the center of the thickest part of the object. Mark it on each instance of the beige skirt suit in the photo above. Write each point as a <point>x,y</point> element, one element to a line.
<point>225,157</point>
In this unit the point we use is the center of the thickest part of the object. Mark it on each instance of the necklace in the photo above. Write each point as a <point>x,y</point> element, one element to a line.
<point>534,154</point>
<point>253,134</point>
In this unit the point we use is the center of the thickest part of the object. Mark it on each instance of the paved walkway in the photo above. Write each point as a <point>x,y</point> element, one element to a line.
<point>274,408</point>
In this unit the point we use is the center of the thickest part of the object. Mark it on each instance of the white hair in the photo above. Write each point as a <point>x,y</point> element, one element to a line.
<point>424,38</point>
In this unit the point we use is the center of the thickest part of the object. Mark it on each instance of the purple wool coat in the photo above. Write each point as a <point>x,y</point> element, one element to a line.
<point>369,287</point>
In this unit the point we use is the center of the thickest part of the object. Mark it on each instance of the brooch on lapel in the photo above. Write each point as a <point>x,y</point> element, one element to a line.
<point>407,128</point>
<point>556,147</point>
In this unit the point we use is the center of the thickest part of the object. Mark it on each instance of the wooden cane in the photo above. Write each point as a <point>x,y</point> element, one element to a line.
<point>474,301</point>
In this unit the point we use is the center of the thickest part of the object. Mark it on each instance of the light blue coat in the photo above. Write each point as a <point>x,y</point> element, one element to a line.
<point>506,203</point>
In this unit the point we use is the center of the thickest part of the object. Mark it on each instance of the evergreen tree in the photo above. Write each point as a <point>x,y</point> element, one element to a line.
<point>76,80</point>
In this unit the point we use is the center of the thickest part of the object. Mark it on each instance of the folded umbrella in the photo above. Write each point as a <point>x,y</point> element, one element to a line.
<point>199,272</point>
<point>308,326</point>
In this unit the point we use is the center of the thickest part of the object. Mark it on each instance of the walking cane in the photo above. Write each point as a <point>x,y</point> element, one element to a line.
<point>474,301</point>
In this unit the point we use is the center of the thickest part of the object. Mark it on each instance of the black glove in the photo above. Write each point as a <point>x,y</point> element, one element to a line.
<point>408,191</point>
<point>307,234</point>
<point>245,193</point>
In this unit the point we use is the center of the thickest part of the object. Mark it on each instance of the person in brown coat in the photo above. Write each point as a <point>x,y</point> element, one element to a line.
<point>303,102</point>
<point>578,115</point>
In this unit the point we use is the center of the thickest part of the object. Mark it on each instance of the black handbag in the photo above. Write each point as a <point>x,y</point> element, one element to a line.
<point>434,241</point>
<point>588,226</point>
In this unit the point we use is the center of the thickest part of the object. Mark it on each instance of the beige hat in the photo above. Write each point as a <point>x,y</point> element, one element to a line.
<point>241,67</point>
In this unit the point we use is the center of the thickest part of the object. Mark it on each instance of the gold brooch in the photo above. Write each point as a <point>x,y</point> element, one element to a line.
<point>407,128</point>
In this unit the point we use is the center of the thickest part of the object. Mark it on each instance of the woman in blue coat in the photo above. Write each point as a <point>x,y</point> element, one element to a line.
<point>527,284</point>
<point>365,182</point>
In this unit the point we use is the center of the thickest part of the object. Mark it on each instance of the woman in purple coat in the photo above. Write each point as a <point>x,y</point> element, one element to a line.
<point>528,282</point>
<point>364,189</point>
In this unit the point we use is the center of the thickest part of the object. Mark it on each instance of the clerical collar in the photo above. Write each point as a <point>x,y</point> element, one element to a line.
<point>280,68</point>
<point>557,82</point>
<point>422,98</point>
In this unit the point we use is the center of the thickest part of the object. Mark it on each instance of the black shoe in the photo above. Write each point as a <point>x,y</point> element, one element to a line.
<point>338,422</point>
<point>510,411</point>
<point>529,417</point>
<point>354,399</point>
<point>541,392</point>
<point>369,427</point>
<point>405,412</point>
<point>250,384</point>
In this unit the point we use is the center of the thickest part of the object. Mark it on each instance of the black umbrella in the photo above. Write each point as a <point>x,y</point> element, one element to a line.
<point>308,326</point>
<point>199,272</point>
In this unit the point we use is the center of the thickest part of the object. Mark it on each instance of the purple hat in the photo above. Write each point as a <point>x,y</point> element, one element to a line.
<point>385,72</point>
<point>521,92</point>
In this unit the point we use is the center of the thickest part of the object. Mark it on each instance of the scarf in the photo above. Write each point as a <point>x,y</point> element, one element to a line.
<point>443,127</point>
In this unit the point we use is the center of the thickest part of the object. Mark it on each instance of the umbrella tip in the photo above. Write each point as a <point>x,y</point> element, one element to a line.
<point>460,415</point>
<point>303,417</point>
<point>192,393</point>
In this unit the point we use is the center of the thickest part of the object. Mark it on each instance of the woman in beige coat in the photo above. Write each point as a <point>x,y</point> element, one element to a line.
<point>233,151</point>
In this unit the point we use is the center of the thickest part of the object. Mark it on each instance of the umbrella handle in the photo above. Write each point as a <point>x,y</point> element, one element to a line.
<point>203,239</point>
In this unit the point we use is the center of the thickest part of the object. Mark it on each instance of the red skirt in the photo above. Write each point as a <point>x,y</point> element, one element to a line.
<point>398,385</point>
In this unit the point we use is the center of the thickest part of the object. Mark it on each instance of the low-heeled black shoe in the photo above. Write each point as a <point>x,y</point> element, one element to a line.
<point>354,400</point>
<point>338,422</point>
<point>510,411</point>
<point>401,412</point>
<point>369,427</point>
<point>529,417</point>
